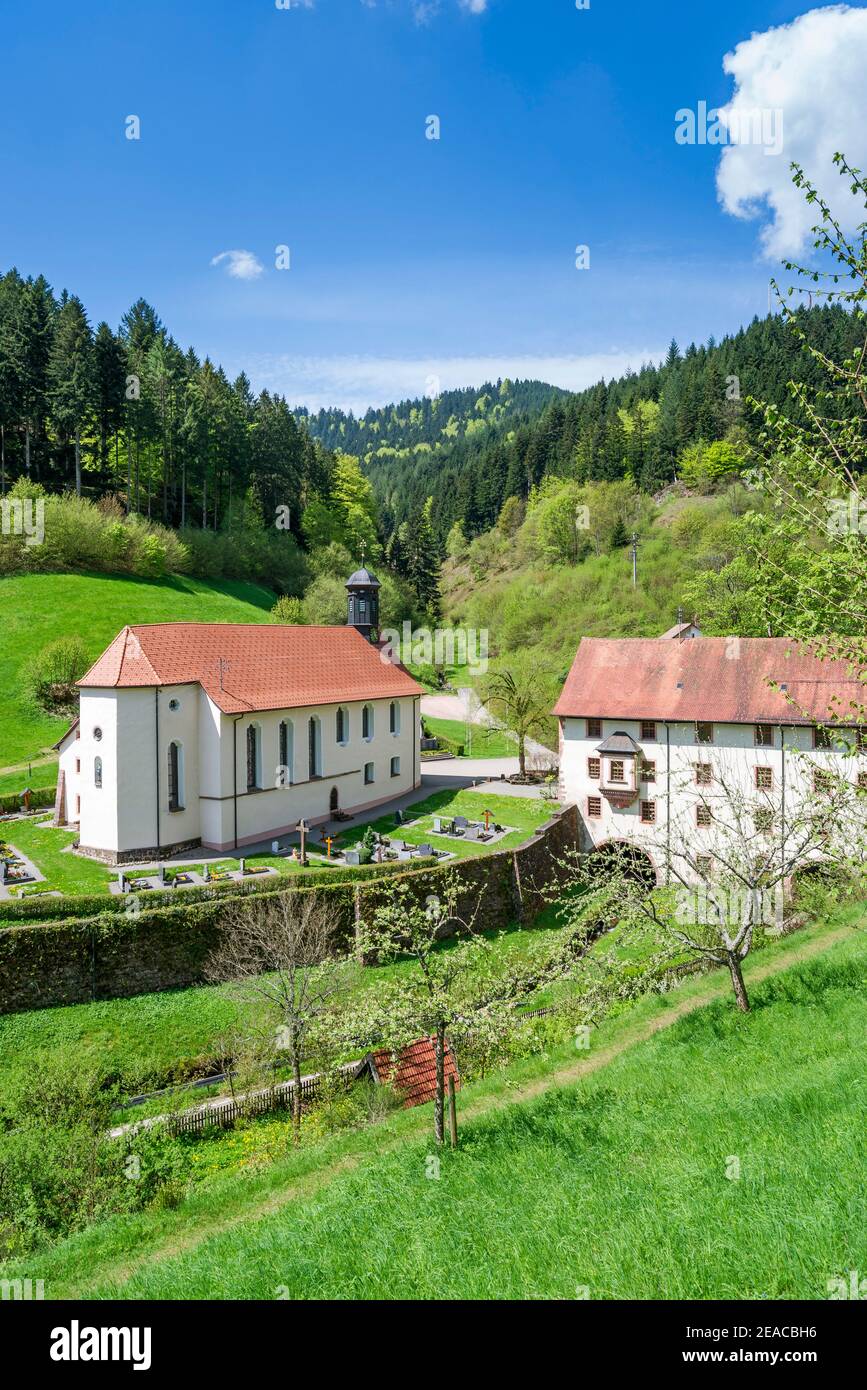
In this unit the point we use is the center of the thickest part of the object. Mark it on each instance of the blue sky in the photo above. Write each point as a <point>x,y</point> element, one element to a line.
<point>412,258</point>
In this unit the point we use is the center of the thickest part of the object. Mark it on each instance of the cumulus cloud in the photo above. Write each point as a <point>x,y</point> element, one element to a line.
<point>241,265</point>
<point>357,382</point>
<point>474,6</point>
<point>813,71</point>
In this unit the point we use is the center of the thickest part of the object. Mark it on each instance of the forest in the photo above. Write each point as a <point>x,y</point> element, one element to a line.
<point>190,472</point>
<point>637,427</point>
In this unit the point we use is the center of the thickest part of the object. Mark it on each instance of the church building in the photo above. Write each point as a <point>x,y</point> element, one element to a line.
<point>226,734</point>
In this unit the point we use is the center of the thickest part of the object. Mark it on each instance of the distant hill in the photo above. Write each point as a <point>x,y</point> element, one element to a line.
<point>39,608</point>
<point>471,450</point>
<point>403,446</point>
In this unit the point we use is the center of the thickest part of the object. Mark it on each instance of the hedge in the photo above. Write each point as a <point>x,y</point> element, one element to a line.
<point>166,941</point>
<point>86,906</point>
<point>44,796</point>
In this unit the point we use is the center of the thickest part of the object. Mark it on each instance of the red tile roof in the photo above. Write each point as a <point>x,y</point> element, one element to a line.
<point>721,680</point>
<point>252,666</point>
<point>416,1075</point>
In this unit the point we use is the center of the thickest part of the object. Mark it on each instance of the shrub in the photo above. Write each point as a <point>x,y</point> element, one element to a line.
<point>288,610</point>
<point>50,677</point>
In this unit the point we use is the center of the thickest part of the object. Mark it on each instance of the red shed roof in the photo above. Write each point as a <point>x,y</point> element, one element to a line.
<point>252,666</point>
<point>724,680</point>
<point>416,1074</point>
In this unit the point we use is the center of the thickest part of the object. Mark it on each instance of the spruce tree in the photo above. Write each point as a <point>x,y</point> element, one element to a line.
<point>71,385</point>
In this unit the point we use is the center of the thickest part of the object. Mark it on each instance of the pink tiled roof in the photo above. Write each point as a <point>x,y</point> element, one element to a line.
<point>252,666</point>
<point>724,680</point>
<point>416,1076</point>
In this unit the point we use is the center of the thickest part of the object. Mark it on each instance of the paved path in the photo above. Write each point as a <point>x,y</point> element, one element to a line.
<point>455,707</point>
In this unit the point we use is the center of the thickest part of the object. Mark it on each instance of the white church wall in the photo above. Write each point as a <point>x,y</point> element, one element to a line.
<point>276,807</point>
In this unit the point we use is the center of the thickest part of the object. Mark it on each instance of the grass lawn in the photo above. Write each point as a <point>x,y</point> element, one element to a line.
<point>606,1175</point>
<point>155,1038</point>
<point>523,814</point>
<point>39,774</point>
<point>478,740</point>
<point>45,846</point>
<point>39,608</point>
<point>73,874</point>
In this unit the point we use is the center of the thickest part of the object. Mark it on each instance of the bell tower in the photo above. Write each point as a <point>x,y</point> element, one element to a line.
<point>363,590</point>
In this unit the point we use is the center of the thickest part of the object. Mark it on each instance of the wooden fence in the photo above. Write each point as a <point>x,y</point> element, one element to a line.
<point>225,1113</point>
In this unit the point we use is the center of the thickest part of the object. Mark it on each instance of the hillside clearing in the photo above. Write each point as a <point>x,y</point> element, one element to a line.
<point>39,608</point>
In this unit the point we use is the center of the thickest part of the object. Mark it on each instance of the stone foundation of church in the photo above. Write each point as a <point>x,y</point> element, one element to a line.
<point>147,855</point>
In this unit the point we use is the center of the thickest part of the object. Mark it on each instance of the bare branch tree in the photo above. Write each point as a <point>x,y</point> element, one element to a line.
<point>730,854</point>
<point>282,954</point>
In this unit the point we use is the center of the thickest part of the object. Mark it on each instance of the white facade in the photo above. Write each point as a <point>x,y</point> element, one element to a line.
<point>151,770</point>
<point>756,780</point>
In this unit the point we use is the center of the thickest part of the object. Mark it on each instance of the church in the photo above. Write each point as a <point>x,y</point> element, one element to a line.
<point>223,735</point>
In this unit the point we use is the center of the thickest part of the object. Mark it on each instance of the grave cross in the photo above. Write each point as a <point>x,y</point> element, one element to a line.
<point>302,827</point>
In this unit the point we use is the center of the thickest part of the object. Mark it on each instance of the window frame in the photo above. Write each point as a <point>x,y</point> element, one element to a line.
<point>591,802</point>
<point>175,787</point>
<point>597,775</point>
<point>593,728</point>
<point>644,725</point>
<point>763,740</point>
<point>643,808</point>
<point>764,778</point>
<point>704,724</point>
<point>254,767</point>
<point>369,768</point>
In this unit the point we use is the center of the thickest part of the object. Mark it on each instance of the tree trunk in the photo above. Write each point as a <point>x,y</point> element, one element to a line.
<point>522,755</point>
<point>440,1102</point>
<point>183,494</point>
<point>296,1097</point>
<point>738,985</point>
<point>27,449</point>
<point>77,461</point>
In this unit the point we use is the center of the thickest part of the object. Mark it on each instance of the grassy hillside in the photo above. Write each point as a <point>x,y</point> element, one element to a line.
<point>533,603</point>
<point>609,1172</point>
<point>38,608</point>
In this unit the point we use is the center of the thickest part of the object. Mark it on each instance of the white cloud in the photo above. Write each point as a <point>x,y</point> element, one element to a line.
<point>814,70</point>
<point>474,6</point>
<point>241,265</point>
<point>355,383</point>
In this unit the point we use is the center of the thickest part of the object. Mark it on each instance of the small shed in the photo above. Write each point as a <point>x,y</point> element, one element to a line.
<point>414,1074</point>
